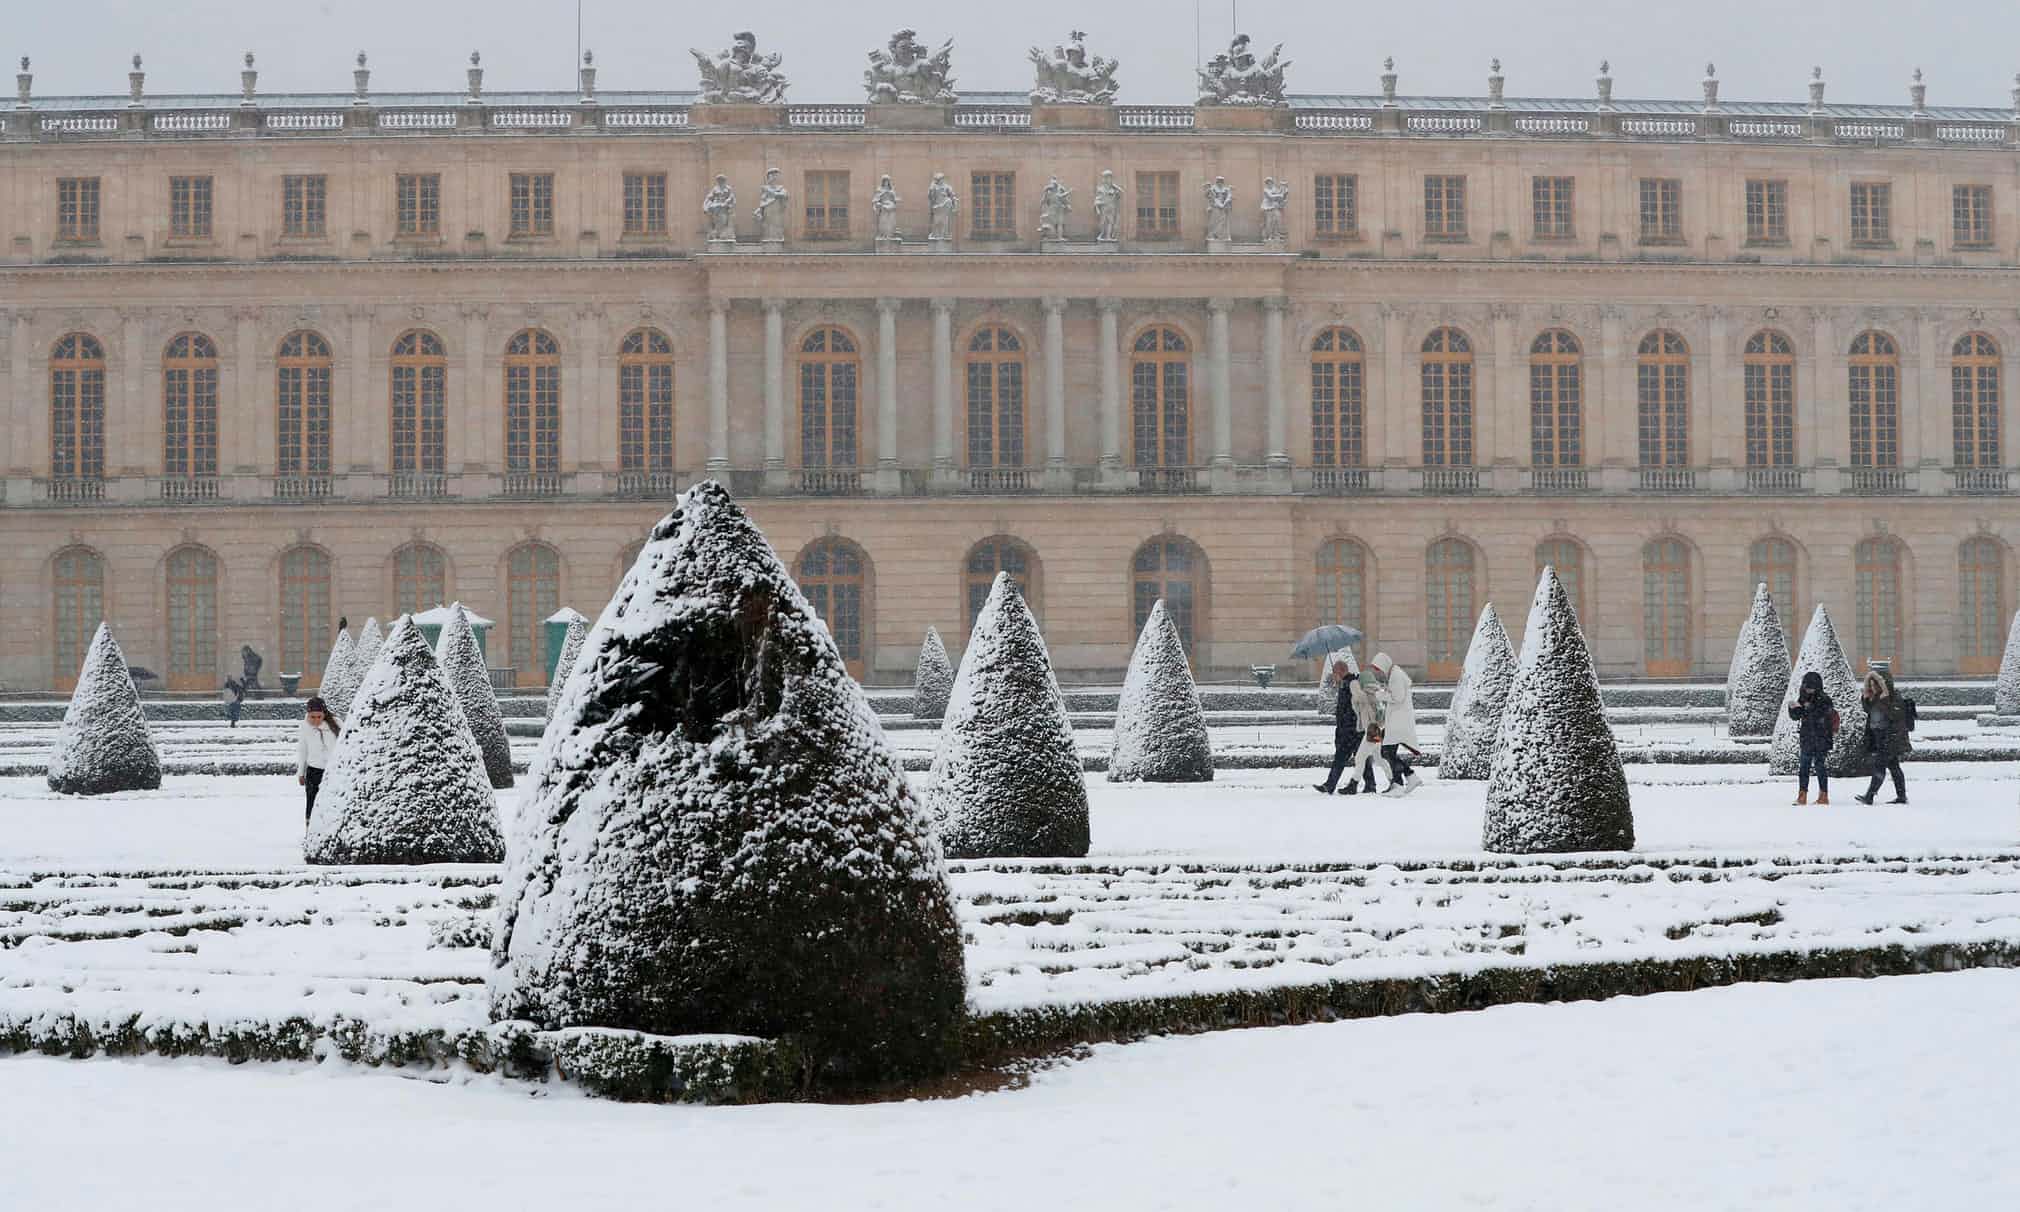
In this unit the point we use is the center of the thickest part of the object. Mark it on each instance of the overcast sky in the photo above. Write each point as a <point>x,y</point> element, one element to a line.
<point>1969,49</point>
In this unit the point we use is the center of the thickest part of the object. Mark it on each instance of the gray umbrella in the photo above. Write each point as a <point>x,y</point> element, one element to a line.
<point>1322,640</point>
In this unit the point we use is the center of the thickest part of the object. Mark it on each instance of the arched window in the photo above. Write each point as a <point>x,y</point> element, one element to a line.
<point>305,613</point>
<point>1556,422</point>
<point>78,606</point>
<point>1662,391</point>
<point>1772,562</point>
<point>77,411</point>
<point>1568,558</point>
<point>192,619</point>
<point>1974,400</point>
<point>532,404</point>
<point>1770,375</point>
<point>532,592</point>
<point>1665,608</point>
<point>1877,566</point>
<point>994,555</point>
<point>1981,605</point>
<point>1874,380</point>
<point>1449,607</point>
<point>302,409</point>
<point>995,371</point>
<point>189,408</point>
<point>1339,400</point>
<point>1448,399</point>
<point>1172,569</point>
<point>830,370</point>
<point>420,579</point>
<point>1160,399</point>
<point>831,574</point>
<point>645,402</point>
<point>420,404</point>
<point>1342,579</point>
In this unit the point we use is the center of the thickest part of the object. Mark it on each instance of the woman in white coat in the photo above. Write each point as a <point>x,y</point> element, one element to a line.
<point>1399,726</point>
<point>315,745</point>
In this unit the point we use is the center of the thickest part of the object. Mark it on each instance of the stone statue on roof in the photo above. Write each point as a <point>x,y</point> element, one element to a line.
<point>740,75</point>
<point>904,73</point>
<point>1237,77</point>
<point>1068,75</point>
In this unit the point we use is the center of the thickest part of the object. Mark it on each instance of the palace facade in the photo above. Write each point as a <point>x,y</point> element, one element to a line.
<point>266,360</point>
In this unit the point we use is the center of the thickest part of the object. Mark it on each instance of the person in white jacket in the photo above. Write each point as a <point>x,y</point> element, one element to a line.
<point>315,745</point>
<point>1399,726</point>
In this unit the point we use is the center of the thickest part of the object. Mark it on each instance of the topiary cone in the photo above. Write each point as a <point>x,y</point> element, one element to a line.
<point>463,664</point>
<point>1473,721</point>
<point>1760,670</point>
<point>103,745</point>
<point>1160,727</point>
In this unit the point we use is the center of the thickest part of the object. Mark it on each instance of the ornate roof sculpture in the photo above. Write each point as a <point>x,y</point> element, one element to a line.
<point>1237,77</point>
<point>905,74</point>
<point>740,75</point>
<point>1067,75</point>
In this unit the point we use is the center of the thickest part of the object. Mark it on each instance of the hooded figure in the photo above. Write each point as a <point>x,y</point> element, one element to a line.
<point>1399,725</point>
<point>1886,734</point>
<point>1817,728</point>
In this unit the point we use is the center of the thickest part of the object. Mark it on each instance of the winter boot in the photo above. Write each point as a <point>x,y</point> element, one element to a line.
<point>1899,799</point>
<point>1412,783</point>
<point>1823,799</point>
<point>1863,799</point>
<point>1353,787</point>
<point>1802,797</point>
<point>1322,789</point>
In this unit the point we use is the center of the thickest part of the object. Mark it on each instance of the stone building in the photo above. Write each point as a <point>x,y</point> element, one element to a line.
<point>266,360</point>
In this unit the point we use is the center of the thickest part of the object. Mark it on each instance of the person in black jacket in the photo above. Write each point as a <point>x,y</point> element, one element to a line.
<point>1887,727</point>
<point>1346,736</point>
<point>1818,719</point>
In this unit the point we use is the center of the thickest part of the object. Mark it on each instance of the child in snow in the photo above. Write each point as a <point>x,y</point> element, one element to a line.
<point>1817,717</point>
<point>317,743</point>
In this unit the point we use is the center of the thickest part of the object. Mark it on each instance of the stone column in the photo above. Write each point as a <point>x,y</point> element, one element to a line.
<point>718,386</point>
<point>1110,358</point>
<point>353,447</point>
<point>944,468</point>
<point>1274,311</point>
<point>1219,387</point>
<point>478,420</point>
<point>1824,418</point>
<point>252,429</point>
<point>775,394</point>
<point>1710,445</point>
<point>140,452</point>
<point>1927,436</point>
<point>1058,477</point>
<point>583,432</point>
<point>26,456</point>
<point>888,478</point>
<point>1393,440</point>
<point>1613,435</point>
<point>1494,451</point>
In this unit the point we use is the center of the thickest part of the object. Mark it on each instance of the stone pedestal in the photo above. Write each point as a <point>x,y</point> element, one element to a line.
<point>1046,116</point>
<point>737,114</point>
<point>1249,118</point>
<point>889,116</point>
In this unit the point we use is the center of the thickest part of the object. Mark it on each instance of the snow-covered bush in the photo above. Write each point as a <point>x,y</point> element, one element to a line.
<point>1822,653</point>
<point>463,664</point>
<point>1160,727</point>
<point>933,680</point>
<point>341,653</point>
<point>407,783</point>
<point>571,650</point>
<point>341,687</point>
<point>2006,696</point>
<point>1474,720</point>
<point>103,745</point>
<point>1760,670</point>
<point>717,838</point>
<point>1006,779</point>
<point>1557,785</point>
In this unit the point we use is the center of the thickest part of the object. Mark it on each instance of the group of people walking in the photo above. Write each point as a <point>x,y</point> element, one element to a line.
<point>1373,716</point>
<point>1890,718</point>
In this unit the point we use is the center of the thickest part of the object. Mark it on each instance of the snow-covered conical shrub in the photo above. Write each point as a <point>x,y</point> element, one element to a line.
<point>462,662</point>
<point>1474,719</point>
<point>1160,727</point>
<point>571,651</point>
<point>333,669</point>
<point>2006,697</point>
<point>934,679</point>
<point>406,784</point>
<point>1760,670</point>
<point>717,838</point>
<point>1006,778</point>
<point>1821,652</point>
<point>103,745</point>
<point>339,690</point>
<point>1556,786</point>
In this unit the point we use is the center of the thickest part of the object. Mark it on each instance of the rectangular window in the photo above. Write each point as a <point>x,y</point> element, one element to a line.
<point>532,204</point>
<point>1551,202</point>
<point>645,204</point>
<point>1157,206</point>
<point>992,206</point>
<point>189,208</point>
<point>827,206</point>
<point>1444,208</point>
<point>304,205</point>
<point>1336,206</point>
<point>1971,216</point>
<point>1872,212</point>
<point>1767,212</point>
<point>419,204</point>
<point>1661,210</point>
<point>77,209</point>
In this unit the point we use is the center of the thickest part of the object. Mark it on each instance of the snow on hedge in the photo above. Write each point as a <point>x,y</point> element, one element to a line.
<point>341,653</point>
<point>1760,670</point>
<point>1822,653</point>
<point>571,649</point>
<point>1160,727</point>
<point>463,664</point>
<point>341,688</point>
<point>1474,719</point>
<point>1556,785</point>
<point>103,745</point>
<point>717,837</point>
<point>933,680</point>
<point>2006,697</point>
<point>1006,779</point>
<point>407,783</point>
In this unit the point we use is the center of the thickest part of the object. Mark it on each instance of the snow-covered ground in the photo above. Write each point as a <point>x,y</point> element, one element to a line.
<point>1834,1096</point>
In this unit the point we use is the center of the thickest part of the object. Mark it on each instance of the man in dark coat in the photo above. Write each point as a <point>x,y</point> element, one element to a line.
<point>1886,734</point>
<point>1346,735</point>
<point>1817,719</point>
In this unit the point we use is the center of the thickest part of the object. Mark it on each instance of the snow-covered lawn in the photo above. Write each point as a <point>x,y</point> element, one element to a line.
<point>1834,1096</point>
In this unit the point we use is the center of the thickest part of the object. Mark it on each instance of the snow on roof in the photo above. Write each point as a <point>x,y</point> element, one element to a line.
<point>437,616</point>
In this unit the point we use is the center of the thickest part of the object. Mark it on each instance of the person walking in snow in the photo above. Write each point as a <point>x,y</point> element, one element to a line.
<point>315,746</point>
<point>234,699</point>
<point>1347,706</point>
<point>1887,727</point>
<point>1817,727</point>
<point>1399,725</point>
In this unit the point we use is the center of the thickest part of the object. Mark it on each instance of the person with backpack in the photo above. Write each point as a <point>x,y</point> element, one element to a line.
<point>234,699</point>
<point>1889,720</point>
<point>1817,728</point>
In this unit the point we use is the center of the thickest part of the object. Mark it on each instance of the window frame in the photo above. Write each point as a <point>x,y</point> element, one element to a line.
<point>1660,210</point>
<point>1339,384</point>
<point>1870,206</point>
<point>1873,400</point>
<point>1155,374</point>
<point>1972,220</point>
<point>1665,620</point>
<point>1556,400</point>
<point>1445,220</point>
<point>190,383</point>
<point>1336,196</point>
<point>1156,208</point>
<point>304,383</point>
<point>1768,399</point>
<point>1553,216</point>
<point>838,373</point>
<point>1455,387</point>
<point>1767,224</point>
<point>530,210</point>
<point>1003,363</point>
<point>418,368</point>
<point>1662,390</point>
<point>992,204</point>
<point>77,385</point>
<point>305,213</point>
<point>644,205</point>
<point>417,206</point>
<point>1977,391</point>
<point>80,210</point>
<point>533,403</point>
<point>825,213</point>
<point>646,399</point>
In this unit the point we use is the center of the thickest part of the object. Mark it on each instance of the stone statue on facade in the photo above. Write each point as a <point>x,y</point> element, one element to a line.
<point>905,74</point>
<point>1276,195</point>
<point>1219,209</point>
<point>941,206</point>
<point>771,207</point>
<point>884,208</point>
<point>1237,77</point>
<point>1067,75</point>
<point>1107,208</point>
<point>739,75</point>
<point>1053,207</point>
<point>719,205</point>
